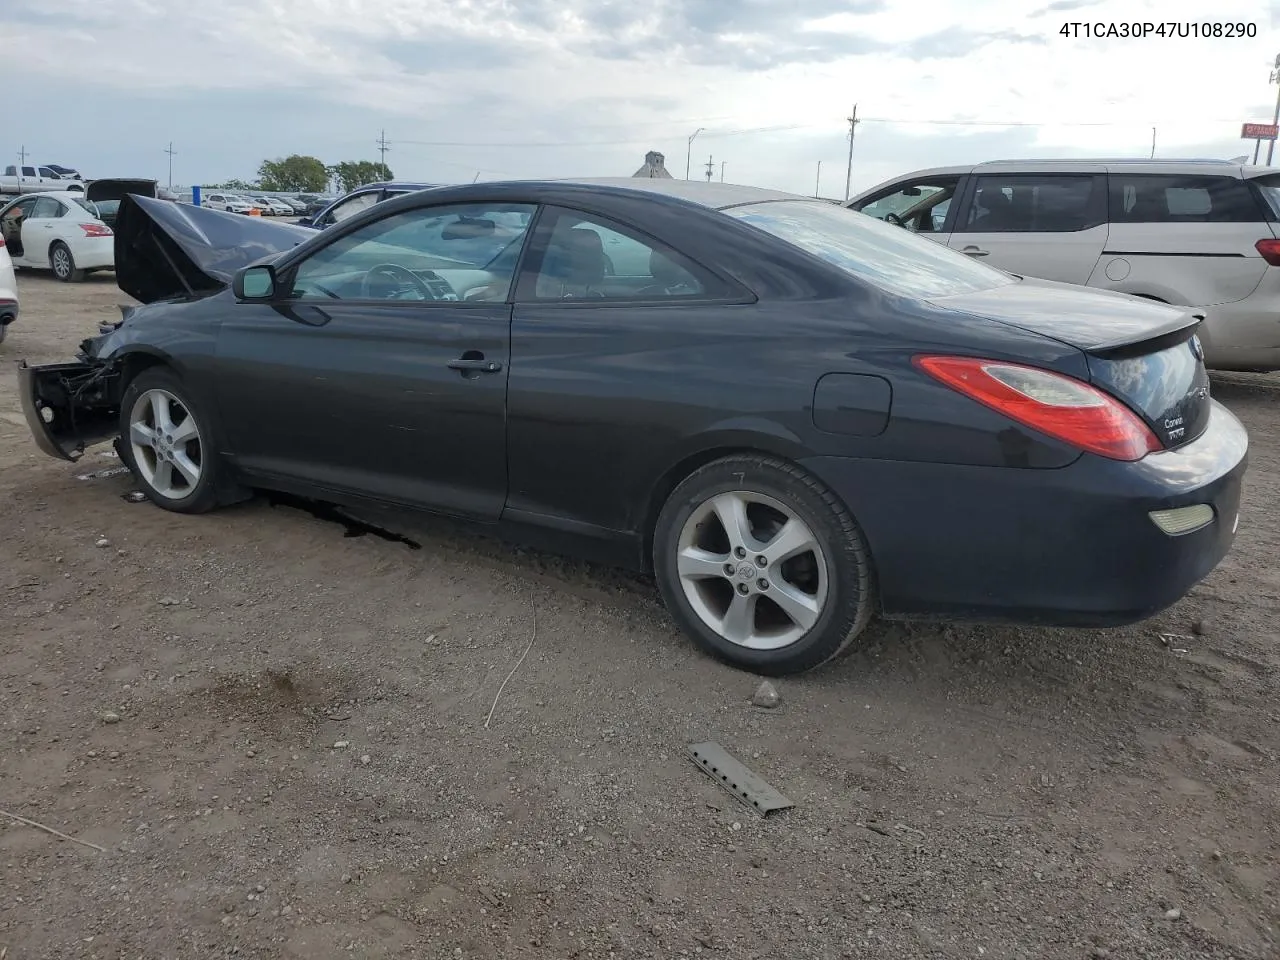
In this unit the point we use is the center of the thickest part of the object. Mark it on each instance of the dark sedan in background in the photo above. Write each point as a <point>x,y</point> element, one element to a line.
<point>795,416</point>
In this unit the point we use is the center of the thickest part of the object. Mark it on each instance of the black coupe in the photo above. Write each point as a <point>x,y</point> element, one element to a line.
<point>795,416</point>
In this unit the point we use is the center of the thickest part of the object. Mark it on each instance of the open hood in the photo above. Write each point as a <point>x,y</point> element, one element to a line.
<point>166,250</point>
<point>117,189</point>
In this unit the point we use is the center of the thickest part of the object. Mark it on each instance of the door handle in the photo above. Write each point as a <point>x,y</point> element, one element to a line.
<point>478,364</point>
<point>972,251</point>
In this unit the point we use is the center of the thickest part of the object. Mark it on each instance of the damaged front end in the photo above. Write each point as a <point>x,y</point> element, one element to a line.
<point>74,404</point>
<point>166,255</point>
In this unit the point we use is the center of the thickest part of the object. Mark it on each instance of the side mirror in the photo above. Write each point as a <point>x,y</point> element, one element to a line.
<point>305,222</point>
<point>255,283</point>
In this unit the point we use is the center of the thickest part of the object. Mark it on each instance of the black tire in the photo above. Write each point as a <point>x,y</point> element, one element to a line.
<point>64,264</point>
<point>205,494</point>
<point>850,591</point>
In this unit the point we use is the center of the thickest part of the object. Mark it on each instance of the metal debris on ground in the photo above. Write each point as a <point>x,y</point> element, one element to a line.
<point>134,496</point>
<point>103,474</point>
<point>747,788</point>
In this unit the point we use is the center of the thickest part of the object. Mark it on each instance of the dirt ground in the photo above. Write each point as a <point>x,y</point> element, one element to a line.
<point>276,733</point>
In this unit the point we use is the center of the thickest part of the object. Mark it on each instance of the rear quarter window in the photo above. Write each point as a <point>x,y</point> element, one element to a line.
<point>879,253</point>
<point>1163,198</point>
<point>1268,188</point>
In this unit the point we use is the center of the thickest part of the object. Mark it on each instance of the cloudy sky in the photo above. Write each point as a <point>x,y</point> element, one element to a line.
<point>535,88</point>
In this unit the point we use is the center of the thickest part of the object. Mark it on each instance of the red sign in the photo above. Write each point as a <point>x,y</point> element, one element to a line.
<point>1259,131</point>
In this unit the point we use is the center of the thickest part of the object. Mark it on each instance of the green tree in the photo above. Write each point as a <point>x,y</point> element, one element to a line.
<point>351,174</point>
<point>293,173</point>
<point>237,185</point>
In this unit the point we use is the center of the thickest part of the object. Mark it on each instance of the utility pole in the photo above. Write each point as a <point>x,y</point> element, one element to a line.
<point>1153,143</point>
<point>22,155</point>
<point>688,152</point>
<point>710,168</point>
<point>170,151</point>
<point>1275,119</point>
<point>722,171</point>
<point>853,129</point>
<point>817,181</point>
<point>383,147</point>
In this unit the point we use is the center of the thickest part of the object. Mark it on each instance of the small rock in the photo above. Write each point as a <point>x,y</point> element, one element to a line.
<point>365,759</point>
<point>1174,914</point>
<point>250,753</point>
<point>1100,953</point>
<point>766,695</point>
<point>168,602</point>
<point>1200,628</point>
<point>341,744</point>
<point>285,911</point>
<point>737,825</point>
<point>104,542</point>
<point>346,878</point>
<point>1217,854</point>
<point>260,888</point>
<point>109,717</point>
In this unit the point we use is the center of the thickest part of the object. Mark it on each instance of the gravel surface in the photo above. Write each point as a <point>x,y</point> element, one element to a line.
<point>275,731</point>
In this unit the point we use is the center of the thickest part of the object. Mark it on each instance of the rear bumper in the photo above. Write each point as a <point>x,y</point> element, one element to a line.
<point>1069,547</point>
<point>95,253</point>
<point>1244,335</point>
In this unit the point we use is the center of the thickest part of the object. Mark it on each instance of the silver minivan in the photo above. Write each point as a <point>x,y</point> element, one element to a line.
<point>1201,233</point>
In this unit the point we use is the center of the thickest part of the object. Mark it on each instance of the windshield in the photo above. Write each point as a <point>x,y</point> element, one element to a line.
<point>879,253</point>
<point>1270,187</point>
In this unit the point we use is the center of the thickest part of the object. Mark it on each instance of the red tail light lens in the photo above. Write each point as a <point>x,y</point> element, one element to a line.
<point>95,229</point>
<point>1270,251</point>
<point>1062,407</point>
<point>1,241</point>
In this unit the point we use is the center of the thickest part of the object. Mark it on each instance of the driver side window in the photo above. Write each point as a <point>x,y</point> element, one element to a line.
<point>920,206</point>
<point>350,207</point>
<point>450,253</point>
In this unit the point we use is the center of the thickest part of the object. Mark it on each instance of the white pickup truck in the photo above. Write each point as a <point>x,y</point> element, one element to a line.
<point>16,180</point>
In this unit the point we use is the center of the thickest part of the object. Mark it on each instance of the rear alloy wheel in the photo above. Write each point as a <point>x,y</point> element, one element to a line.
<point>762,565</point>
<point>64,264</point>
<point>166,444</point>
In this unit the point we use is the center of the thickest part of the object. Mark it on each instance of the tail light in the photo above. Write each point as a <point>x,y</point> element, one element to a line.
<point>95,229</point>
<point>1270,251</point>
<point>1062,407</point>
<point>1,241</point>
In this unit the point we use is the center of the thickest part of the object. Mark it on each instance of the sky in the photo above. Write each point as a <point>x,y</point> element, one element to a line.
<point>501,89</point>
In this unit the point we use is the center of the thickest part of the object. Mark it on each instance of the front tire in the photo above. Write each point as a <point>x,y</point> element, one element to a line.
<point>64,264</point>
<point>762,565</point>
<point>168,444</point>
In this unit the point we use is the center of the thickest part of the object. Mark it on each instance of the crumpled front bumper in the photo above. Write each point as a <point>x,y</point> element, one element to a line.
<point>70,405</point>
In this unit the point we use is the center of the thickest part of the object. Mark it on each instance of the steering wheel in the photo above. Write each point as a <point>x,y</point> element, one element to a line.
<point>893,218</point>
<point>397,272</point>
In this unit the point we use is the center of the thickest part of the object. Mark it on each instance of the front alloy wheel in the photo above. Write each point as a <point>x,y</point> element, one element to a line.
<point>167,443</point>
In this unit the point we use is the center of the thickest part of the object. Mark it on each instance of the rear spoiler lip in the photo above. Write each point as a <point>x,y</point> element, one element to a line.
<point>1176,330</point>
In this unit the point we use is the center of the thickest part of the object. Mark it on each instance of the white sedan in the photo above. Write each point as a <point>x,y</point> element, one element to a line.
<point>57,231</point>
<point>8,291</point>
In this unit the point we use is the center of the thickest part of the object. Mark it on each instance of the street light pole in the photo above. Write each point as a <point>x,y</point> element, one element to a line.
<point>688,154</point>
<point>1275,119</point>
<point>817,182</point>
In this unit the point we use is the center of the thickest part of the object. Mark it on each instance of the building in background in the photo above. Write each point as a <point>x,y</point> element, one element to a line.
<point>654,167</point>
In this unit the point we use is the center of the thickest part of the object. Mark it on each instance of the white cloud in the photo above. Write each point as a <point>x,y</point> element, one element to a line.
<point>510,71</point>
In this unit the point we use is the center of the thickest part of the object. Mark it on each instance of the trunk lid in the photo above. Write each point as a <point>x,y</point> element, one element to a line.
<point>166,250</point>
<point>1146,354</point>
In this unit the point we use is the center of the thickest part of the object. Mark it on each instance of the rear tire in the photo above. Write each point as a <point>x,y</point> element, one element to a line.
<point>64,264</point>
<point>167,442</point>
<point>763,566</point>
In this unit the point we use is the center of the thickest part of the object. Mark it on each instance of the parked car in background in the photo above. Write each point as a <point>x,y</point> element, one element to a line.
<point>357,200</point>
<point>67,173</point>
<point>8,290</point>
<point>797,417</point>
<point>1200,233</point>
<point>276,207</point>
<point>226,202</point>
<point>296,205</point>
<point>105,195</point>
<point>61,232</point>
<point>21,179</point>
